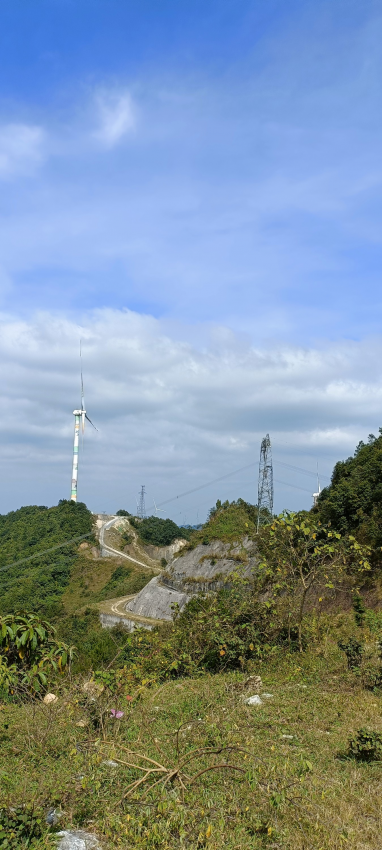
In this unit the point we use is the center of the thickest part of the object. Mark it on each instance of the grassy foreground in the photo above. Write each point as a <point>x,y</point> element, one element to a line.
<point>213,771</point>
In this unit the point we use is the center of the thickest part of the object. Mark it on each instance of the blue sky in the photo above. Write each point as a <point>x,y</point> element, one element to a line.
<point>215,169</point>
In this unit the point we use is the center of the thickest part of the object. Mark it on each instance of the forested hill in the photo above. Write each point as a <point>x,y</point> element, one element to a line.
<point>353,501</point>
<point>38,584</point>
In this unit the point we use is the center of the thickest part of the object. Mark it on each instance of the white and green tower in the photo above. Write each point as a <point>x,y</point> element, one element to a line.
<point>79,418</point>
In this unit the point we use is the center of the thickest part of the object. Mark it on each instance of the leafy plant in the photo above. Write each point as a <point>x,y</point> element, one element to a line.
<point>353,650</point>
<point>20,827</point>
<point>365,745</point>
<point>303,562</point>
<point>28,647</point>
<point>359,609</point>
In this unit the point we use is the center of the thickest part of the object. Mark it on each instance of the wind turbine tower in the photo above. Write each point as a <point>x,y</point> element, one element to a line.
<point>265,485</point>
<point>316,495</point>
<point>79,416</point>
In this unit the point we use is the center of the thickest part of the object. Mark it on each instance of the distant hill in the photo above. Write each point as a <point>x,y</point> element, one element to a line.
<point>38,584</point>
<point>353,501</point>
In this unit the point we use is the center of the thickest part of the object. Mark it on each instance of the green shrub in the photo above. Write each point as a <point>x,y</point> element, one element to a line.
<point>359,609</point>
<point>28,650</point>
<point>365,745</point>
<point>353,650</point>
<point>96,646</point>
<point>20,827</point>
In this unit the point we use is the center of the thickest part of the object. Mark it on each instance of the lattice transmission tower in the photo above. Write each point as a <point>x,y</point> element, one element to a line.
<point>265,485</point>
<point>141,504</point>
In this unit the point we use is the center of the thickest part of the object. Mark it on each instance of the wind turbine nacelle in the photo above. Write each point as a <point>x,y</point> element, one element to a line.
<point>78,412</point>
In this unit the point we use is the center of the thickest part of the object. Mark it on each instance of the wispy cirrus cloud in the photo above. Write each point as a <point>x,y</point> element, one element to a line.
<point>116,114</point>
<point>21,149</point>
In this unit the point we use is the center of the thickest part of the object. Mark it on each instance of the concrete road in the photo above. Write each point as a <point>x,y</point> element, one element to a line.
<point>105,548</point>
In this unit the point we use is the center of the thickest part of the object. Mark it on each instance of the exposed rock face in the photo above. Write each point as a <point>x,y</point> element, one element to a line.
<point>167,552</point>
<point>156,601</point>
<point>201,569</point>
<point>206,564</point>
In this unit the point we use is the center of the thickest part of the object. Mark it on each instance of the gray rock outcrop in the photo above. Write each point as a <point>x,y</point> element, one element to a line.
<point>202,569</point>
<point>156,601</point>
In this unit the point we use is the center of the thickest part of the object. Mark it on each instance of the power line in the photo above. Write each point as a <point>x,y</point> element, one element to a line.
<point>46,551</point>
<point>208,484</point>
<point>235,472</point>
<point>285,483</point>
<point>300,469</point>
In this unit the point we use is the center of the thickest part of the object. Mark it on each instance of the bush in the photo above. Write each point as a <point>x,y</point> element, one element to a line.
<point>215,632</point>
<point>20,827</point>
<point>353,651</point>
<point>365,745</point>
<point>28,650</point>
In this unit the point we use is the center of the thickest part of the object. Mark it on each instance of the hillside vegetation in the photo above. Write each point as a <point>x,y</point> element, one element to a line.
<point>151,742</point>
<point>38,584</point>
<point>353,501</point>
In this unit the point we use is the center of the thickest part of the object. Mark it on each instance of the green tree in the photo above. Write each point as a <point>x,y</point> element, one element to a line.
<point>303,562</point>
<point>353,501</point>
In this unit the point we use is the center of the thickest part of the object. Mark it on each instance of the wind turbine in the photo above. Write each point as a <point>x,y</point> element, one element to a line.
<point>316,495</point>
<point>79,416</point>
<point>157,510</point>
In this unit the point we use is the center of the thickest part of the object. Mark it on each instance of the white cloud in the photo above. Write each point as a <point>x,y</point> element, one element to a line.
<point>116,116</point>
<point>21,148</point>
<point>174,416</point>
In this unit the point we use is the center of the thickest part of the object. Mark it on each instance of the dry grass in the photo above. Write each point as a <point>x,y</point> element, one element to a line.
<point>221,774</point>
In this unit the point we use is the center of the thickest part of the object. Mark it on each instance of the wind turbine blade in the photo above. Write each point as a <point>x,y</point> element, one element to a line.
<point>82,380</point>
<point>89,420</point>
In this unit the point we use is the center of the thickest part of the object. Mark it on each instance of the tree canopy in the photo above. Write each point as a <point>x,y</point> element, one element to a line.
<point>353,501</point>
<point>160,532</point>
<point>37,584</point>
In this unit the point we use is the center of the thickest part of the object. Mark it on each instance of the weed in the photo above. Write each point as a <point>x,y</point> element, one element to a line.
<point>353,650</point>
<point>365,745</point>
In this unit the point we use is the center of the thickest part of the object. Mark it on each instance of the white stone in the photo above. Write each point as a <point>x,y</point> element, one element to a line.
<point>255,700</point>
<point>267,696</point>
<point>288,737</point>
<point>73,839</point>
<point>49,699</point>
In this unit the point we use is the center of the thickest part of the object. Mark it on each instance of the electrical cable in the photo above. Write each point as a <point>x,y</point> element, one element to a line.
<point>46,551</point>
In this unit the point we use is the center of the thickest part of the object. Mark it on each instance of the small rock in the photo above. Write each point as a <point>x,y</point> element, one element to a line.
<point>288,737</point>
<point>267,696</point>
<point>110,763</point>
<point>254,700</point>
<point>255,683</point>
<point>77,839</point>
<point>82,723</point>
<point>84,545</point>
<point>53,816</point>
<point>94,689</point>
<point>49,699</point>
